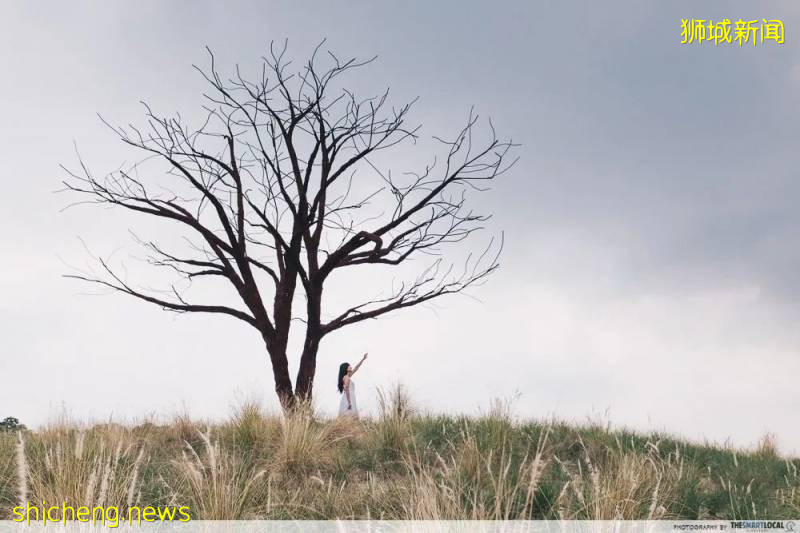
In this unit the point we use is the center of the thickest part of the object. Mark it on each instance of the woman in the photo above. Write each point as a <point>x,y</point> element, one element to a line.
<point>347,389</point>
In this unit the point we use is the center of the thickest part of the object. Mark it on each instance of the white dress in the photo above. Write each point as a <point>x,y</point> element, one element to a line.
<point>343,410</point>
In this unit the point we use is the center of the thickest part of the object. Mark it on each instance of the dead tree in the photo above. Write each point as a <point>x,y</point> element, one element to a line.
<point>267,191</point>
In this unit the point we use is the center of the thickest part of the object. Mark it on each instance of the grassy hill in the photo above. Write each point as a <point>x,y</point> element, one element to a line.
<point>398,466</point>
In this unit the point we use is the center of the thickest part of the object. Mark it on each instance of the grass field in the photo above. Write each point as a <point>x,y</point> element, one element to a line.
<point>396,466</point>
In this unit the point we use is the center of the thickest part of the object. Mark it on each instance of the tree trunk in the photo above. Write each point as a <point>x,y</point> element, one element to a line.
<point>308,366</point>
<point>282,312</point>
<point>280,372</point>
<point>308,359</point>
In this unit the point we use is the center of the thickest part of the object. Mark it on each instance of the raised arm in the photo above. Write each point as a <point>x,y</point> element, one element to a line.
<point>355,368</point>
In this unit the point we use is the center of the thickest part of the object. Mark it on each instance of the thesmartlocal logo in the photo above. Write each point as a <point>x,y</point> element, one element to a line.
<point>763,525</point>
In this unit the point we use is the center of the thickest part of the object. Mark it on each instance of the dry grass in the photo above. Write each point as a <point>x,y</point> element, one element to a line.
<point>768,445</point>
<point>628,486</point>
<point>789,496</point>
<point>8,475</point>
<point>250,428</point>
<point>392,430</point>
<point>473,485</point>
<point>96,467</point>
<point>304,444</point>
<point>401,465</point>
<point>217,484</point>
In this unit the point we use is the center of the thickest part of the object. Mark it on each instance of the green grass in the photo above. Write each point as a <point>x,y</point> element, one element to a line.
<point>401,465</point>
<point>8,490</point>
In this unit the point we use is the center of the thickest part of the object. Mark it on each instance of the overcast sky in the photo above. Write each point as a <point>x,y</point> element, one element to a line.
<point>650,271</point>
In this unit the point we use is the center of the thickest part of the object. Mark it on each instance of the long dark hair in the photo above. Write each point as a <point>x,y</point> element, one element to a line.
<point>342,373</point>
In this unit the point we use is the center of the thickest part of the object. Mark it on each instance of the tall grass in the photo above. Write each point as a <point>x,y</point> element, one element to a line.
<point>92,467</point>
<point>304,443</point>
<point>789,496</point>
<point>251,429</point>
<point>470,484</point>
<point>392,431</point>
<point>619,483</point>
<point>216,483</point>
<point>9,487</point>
<point>400,465</point>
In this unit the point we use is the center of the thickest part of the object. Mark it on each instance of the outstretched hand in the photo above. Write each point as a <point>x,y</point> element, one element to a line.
<point>355,368</point>
<point>365,356</point>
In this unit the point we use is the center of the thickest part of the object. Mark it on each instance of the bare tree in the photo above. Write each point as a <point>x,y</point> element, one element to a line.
<point>267,189</point>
